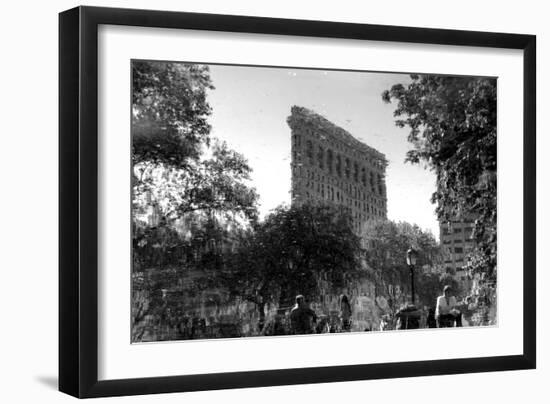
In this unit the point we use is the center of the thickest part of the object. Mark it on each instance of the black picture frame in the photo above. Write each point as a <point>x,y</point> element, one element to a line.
<point>78,200</point>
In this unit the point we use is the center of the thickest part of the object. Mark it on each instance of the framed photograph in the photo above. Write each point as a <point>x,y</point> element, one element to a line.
<point>251,202</point>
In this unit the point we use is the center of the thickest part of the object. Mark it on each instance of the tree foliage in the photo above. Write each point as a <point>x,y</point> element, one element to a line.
<point>183,184</point>
<point>218,183</point>
<point>169,112</point>
<point>430,286</point>
<point>162,246</point>
<point>390,241</point>
<point>386,255</point>
<point>177,168</point>
<point>158,247</point>
<point>452,122</point>
<point>291,249</point>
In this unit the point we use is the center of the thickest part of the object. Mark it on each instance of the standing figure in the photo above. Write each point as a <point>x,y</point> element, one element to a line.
<point>345,313</point>
<point>445,310</point>
<point>302,318</point>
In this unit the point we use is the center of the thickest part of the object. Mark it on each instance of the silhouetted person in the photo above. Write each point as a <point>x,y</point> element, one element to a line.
<point>302,318</point>
<point>345,313</point>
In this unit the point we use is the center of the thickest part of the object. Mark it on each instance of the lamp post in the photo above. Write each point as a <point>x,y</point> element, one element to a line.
<point>412,255</point>
<point>409,316</point>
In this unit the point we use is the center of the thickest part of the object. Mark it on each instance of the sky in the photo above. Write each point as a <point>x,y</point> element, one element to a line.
<point>250,107</point>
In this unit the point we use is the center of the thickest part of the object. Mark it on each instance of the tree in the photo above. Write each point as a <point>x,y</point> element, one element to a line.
<point>287,253</point>
<point>184,182</point>
<point>218,183</point>
<point>430,286</point>
<point>158,247</point>
<point>452,123</point>
<point>177,167</point>
<point>388,243</point>
<point>169,112</point>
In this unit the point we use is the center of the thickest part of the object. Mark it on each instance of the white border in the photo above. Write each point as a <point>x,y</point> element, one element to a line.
<point>119,359</point>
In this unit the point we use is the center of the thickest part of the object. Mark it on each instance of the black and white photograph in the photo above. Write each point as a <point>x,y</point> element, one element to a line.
<point>275,202</point>
<point>278,201</point>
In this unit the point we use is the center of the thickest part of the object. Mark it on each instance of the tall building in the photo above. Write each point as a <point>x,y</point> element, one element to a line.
<point>457,243</point>
<point>329,165</point>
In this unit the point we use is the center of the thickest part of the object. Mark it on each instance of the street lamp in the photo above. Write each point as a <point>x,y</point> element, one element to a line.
<point>412,255</point>
<point>409,316</point>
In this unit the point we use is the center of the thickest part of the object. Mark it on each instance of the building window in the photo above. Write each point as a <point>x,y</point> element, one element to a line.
<point>364,176</point>
<point>321,157</point>
<point>456,231</point>
<point>339,166</point>
<point>309,152</point>
<point>371,180</point>
<point>347,168</point>
<point>459,250</point>
<point>380,187</point>
<point>329,161</point>
<point>355,171</point>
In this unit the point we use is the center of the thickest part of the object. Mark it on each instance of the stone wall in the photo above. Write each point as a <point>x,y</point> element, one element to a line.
<point>183,313</point>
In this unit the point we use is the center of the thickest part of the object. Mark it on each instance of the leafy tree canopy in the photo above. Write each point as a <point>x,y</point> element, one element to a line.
<point>218,183</point>
<point>452,122</point>
<point>293,246</point>
<point>169,112</point>
<point>178,168</point>
<point>386,255</point>
<point>389,242</point>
